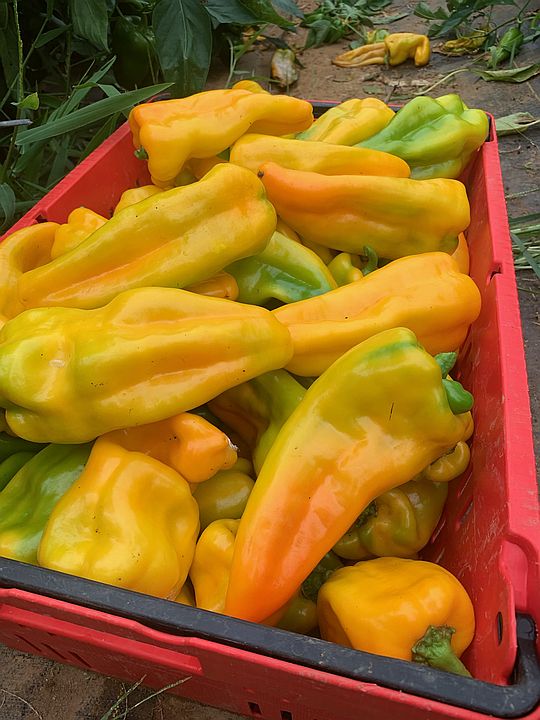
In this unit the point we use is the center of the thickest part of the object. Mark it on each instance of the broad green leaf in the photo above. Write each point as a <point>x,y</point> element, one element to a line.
<point>386,19</point>
<point>229,12</point>
<point>183,32</point>
<point>289,7</point>
<point>90,21</point>
<point>515,123</point>
<point>263,10</point>
<point>30,102</point>
<point>423,10</point>
<point>513,75</point>
<point>88,115</point>
<point>51,35</point>
<point>7,205</point>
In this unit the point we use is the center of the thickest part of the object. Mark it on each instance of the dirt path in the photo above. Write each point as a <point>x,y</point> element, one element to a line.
<point>31,687</point>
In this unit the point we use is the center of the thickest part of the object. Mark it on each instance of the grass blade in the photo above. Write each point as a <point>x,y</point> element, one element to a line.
<point>528,256</point>
<point>89,114</point>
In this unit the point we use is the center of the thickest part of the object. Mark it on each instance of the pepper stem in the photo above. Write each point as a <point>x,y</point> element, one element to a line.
<point>434,649</point>
<point>446,362</point>
<point>141,154</point>
<point>372,260</point>
<point>459,399</point>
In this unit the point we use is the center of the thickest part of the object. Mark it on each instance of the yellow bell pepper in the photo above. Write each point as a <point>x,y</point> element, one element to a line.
<point>172,239</point>
<point>344,268</point>
<point>252,151</point>
<point>106,529</point>
<point>186,442</point>
<point>461,254</point>
<point>200,166</point>
<point>425,293</point>
<point>211,564</point>
<point>396,216</point>
<point>69,375</point>
<point>185,596</point>
<point>250,85</point>
<point>136,195</point>
<point>81,223</point>
<point>202,125</point>
<point>370,423</point>
<point>21,251</point>
<point>350,122</point>
<point>406,609</point>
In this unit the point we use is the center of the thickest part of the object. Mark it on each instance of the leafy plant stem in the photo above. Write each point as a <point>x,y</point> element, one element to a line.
<point>20,92</point>
<point>19,76</point>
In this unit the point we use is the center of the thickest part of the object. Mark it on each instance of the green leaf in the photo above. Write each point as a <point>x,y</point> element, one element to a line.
<point>424,11</point>
<point>289,7</point>
<point>90,21</point>
<point>513,75</point>
<point>527,255</point>
<point>88,115</point>
<point>51,35</point>
<point>385,20</point>
<point>7,205</point>
<point>229,12</point>
<point>263,10</point>
<point>515,123</point>
<point>183,31</point>
<point>30,102</point>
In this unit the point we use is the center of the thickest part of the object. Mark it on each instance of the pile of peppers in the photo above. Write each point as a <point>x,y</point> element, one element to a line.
<point>236,393</point>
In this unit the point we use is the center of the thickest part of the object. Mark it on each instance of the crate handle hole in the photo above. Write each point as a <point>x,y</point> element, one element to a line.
<point>41,218</point>
<point>495,270</point>
<point>254,708</point>
<point>499,627</point>
<point>286,715</point>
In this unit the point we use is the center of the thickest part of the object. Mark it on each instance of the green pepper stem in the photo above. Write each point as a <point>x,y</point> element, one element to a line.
<point>459,399</point>
<point>141,154</point>
<point>372,260</point>
<point>446,362</point>
<point>434,649</point>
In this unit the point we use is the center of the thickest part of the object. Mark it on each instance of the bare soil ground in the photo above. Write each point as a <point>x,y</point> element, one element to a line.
<point>32,687</point>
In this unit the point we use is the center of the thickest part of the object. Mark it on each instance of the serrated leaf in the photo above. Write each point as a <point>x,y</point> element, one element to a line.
<point>30,102</point>
<point>90,21</point>
<point>513,75</point>
<point>263,10</point>
<point>89,114</point>
<point>183,32</point>
<point>515,123</point>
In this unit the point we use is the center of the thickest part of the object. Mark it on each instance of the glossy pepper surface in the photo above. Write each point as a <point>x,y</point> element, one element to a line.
<point>211,564</point>
<point>285,270</point>
<point>104,528</point>
<point>23,250</point>
<point>371,422</point>
<point>385,606</point>
<point>177,348</point>
<point>223,497</point>
<point>29,498</point>
<point>81,223</point>
<point>136,195</point>
<point>252,151</point>
<point>395,49</point>
<point>11,466</point>
<point>461,254</point>
<point>350,122</point>
<point>395,216</point>
<point>173,239</point>
<point>205,124</point>
<point>257,410</point>
<point>425,293</point>
<point>398,523</point>
<point>186,442</point>
<point>222,285</point>
<point>436,137</point>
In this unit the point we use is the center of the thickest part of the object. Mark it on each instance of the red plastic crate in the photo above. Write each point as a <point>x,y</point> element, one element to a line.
<point>489,536</point>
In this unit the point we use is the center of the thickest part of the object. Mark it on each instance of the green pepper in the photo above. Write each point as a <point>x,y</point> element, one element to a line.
<point>10,444</point>
<point>29,498</point>
<point>285,270</point>
<point>257,410</point>
<point>300,616</point>
<point>133,44</point>
<point>436,137</point>
<point>11,465</point>
<point>223,496</point>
